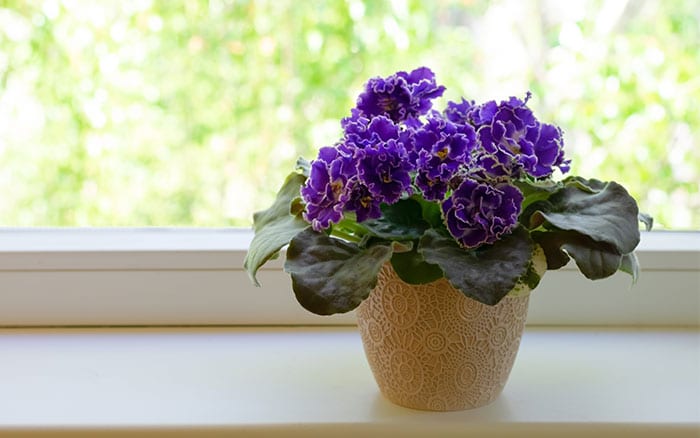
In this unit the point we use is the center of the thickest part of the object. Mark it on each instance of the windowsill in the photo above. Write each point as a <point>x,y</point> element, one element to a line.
<point>315,382</point>
<point>175,277</point>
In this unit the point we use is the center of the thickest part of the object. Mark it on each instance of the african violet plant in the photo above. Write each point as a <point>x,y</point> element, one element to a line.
<point>467,193</point>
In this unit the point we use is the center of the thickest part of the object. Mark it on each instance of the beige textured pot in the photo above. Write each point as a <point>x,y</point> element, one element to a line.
<point>432,348</point>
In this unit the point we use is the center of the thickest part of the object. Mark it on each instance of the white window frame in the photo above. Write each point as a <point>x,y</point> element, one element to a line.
<point>190,276</point>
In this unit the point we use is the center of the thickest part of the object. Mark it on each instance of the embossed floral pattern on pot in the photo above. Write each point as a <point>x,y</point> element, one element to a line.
<point>430,347</point>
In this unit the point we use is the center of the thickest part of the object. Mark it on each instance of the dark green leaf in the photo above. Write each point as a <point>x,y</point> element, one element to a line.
<point>430,211</point>
<point>591,185</point>
<point>595,259</point>
<point>275,226</point>
<point>412,268</point>
<point>400,221</point>
<point>486,274</point>
<point>608,215</point>
<point>531,278</point>
<point>332,276</point>
<point>529,219</point>
<point>551,244</point>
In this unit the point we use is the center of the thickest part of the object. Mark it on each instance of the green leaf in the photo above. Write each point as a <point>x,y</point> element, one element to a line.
<point>531,278</point>
<point>590,185</point>
<point>630,265</point>
<point>535,270</point>
<point>431,212</point>
<point>485,274</point>
<point>400,221</point>
<point>551,244</point>
<point>348,229</point>
<point>303,166</point>
<point>591,221</point>
<point>412,268</point>
<point>276,226</point>
<point>647,220</point>
<point>332,276</point>
<point>595,259</point>
<point>605,213</point>
<point>400,247</point>
<point>536,191</point>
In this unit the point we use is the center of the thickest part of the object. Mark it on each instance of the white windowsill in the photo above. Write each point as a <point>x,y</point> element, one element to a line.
<point>315,382</point>
<point>87,277</point>
<point>224,248</point>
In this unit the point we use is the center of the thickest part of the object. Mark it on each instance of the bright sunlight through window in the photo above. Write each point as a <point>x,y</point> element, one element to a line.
<point>188,113</point>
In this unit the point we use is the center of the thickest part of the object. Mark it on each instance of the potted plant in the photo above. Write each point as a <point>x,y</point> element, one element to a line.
<point>437,225</point>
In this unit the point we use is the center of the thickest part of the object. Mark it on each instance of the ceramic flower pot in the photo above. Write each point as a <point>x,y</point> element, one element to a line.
<point>430,347</point>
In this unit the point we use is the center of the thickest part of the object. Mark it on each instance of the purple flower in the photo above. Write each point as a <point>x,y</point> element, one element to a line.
<point>549,150</point>
<point>361,132</point>
<point>459,112</point>
<point>441,149</point>
<point>369,166</point>
<point>479,213</point>
<point>468,112</point>
<point>385,170</point>
<point>513,142</point>
<point>393,145</point>
<point>380,151</point>
<point>483,113</point>
<point>505,152</point>
<point>433,189</point>
<point>441,144</point>
<point>325,191</point>
<point>362,202</point>
<point>401,95</point>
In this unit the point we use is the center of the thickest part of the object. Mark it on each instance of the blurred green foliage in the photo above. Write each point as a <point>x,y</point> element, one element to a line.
<point>136,113</point>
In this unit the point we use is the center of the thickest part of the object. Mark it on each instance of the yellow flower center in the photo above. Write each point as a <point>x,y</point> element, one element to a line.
<point>387,104</point>
<point>337,188</point>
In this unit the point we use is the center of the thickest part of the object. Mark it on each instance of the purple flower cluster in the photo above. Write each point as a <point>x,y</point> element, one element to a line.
<point>401,95</point>
<point>465,158</point>
<point>368,167</point>
<point>479,213</point>
<point>513,143</point>
<point>441,149</point>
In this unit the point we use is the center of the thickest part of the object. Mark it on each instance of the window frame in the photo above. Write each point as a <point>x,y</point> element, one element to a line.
<point>194,276</point>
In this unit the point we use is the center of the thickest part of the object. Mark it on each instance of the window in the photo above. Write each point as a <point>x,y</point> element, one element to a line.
<point>169,114</point>
<point>158,113</point>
